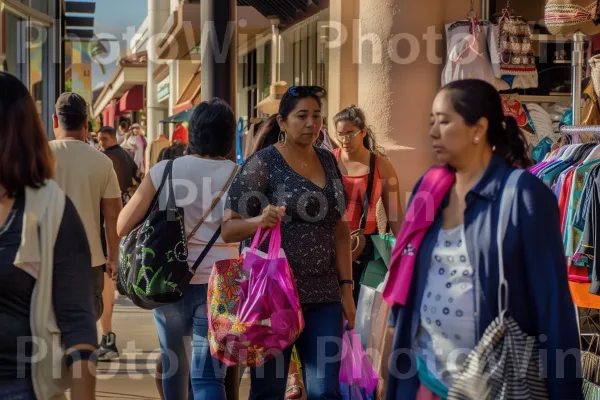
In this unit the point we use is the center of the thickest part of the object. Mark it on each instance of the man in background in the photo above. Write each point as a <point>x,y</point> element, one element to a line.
<point>87,177</point>
<point>129,178</point>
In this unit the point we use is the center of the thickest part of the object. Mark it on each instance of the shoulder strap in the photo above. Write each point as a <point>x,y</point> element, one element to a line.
<point>168,170</point>
<point>367,196</point>
<point>506,203</point>
<point>214,203</point>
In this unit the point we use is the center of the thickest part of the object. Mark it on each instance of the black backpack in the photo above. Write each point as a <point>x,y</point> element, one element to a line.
<point>153,269</point>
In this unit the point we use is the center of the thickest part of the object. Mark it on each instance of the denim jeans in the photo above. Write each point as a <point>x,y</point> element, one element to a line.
<point>320,350</point>
<point>19,389</point>
<point>183,330</point>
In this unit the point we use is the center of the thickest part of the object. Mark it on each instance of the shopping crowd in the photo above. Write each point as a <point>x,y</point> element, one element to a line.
<point>477,285</point>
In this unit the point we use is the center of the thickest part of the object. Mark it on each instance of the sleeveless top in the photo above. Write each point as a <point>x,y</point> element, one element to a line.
<point>355,187</point>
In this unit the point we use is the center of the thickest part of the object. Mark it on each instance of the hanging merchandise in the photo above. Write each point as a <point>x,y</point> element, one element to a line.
<point>565,17</point>
<point>590,111</point>
<point>467,53</point>
<point>239,147</point>
<point>572,171</point>
<point>513,107</point>
<point>512,56</point>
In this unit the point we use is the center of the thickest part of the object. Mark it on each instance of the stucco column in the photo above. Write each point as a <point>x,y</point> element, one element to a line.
<point>400,62</point>
<point>342,88</point>
<point>158,13</point>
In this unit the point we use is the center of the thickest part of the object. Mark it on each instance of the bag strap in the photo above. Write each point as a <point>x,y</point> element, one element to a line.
<point>506,203</point>
<point>207,248</point>
<point>214,203</point>
<point>167,172</point>
<point>368,192</point>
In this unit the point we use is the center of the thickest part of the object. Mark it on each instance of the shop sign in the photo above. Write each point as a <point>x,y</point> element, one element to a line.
<point>163,90</point>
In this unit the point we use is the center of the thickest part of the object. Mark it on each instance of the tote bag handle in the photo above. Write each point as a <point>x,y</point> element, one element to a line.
<point>274,242</point>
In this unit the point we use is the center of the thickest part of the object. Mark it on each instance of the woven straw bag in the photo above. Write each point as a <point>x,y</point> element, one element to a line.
<point>382,220</point>
<point>565,17</point>
<point>594,63</point>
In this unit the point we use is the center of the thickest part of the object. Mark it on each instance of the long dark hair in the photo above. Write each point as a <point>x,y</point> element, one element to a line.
<point>474,99</point>
<point>268,134</point>
<point>356,116</point>
<point>25,157</point>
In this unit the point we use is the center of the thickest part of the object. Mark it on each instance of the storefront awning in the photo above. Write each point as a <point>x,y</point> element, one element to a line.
<point>191,94</point>
<point>182,32</point>
<point>132,100</point>
<point>178,118</point>
<point>131,72</point>
<point>110,113</point>
<point>288,10</point>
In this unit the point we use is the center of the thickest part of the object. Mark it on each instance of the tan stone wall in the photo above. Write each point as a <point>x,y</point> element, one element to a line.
<point>394,51</point>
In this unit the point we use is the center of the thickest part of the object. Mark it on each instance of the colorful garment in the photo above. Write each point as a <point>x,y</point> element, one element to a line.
<point>563,200</point>
<point>421,213</point>
<point>573,234</point>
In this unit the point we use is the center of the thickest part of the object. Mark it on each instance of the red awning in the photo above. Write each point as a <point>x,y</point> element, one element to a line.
<point>110,113</point>
<point>133,100</point>
<point>106,116</point>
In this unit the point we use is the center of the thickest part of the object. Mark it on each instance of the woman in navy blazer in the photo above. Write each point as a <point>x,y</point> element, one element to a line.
<point>472,136</point>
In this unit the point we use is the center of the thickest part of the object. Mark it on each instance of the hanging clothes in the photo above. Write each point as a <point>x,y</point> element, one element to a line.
<point>571,171</point>
<point>467,53</point>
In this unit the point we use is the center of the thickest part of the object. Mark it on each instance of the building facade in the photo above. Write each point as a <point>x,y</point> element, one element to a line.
<point>385,56</point>
<point>31,48</point>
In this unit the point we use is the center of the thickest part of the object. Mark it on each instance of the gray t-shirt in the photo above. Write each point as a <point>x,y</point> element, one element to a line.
<point>196,183</point>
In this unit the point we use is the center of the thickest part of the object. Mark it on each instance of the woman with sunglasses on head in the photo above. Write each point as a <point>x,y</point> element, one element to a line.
<point>368,177</point>
<point>298,183</point>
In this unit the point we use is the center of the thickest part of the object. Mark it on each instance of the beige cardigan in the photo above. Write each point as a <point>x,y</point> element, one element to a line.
<point>44,209</point>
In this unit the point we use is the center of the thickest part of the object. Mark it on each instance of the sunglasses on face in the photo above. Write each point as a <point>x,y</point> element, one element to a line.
<point>302,91</point>
<point>348,136</point>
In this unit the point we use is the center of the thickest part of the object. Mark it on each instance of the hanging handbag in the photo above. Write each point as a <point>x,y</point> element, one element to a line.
<point>565,17</point>
<point>511,50</point>
<point>357,237</point>
<point>153,268</point>
<point>506,363</point>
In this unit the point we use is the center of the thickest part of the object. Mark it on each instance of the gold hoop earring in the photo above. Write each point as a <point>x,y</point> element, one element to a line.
<point>282,138</point>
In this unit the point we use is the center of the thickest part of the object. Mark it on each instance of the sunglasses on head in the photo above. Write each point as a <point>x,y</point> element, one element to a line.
<point>301,91</point>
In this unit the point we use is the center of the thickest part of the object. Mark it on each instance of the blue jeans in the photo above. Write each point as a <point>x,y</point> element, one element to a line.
<point>320,350</point>
<point>182,330</point>
<point>19,389</point>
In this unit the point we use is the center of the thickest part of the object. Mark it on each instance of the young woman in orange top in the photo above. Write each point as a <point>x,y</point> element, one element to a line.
<point>358,154</point>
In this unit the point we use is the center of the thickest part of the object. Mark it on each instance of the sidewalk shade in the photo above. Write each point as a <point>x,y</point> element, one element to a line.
<point>183,116</point>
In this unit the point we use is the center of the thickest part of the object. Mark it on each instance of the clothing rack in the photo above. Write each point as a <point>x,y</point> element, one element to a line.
<point>570,129</point>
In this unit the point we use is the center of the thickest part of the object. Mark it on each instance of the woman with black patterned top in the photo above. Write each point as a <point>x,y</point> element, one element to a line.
<point>300,184</point>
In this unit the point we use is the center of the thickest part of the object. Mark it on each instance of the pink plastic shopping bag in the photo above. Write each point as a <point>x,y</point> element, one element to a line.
<point>358,378</point>
<point>254,311</point>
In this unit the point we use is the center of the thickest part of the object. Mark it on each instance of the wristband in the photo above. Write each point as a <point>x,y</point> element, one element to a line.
<point>80,355</point>
<point>347,282</point>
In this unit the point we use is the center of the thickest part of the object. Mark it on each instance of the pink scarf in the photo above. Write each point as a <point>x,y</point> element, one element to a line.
<point>419,217</point>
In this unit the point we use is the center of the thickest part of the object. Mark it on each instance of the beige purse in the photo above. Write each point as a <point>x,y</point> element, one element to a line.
<point>565,17</point>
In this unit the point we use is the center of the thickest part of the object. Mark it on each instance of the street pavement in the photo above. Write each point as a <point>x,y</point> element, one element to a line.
<point>131,377</point>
